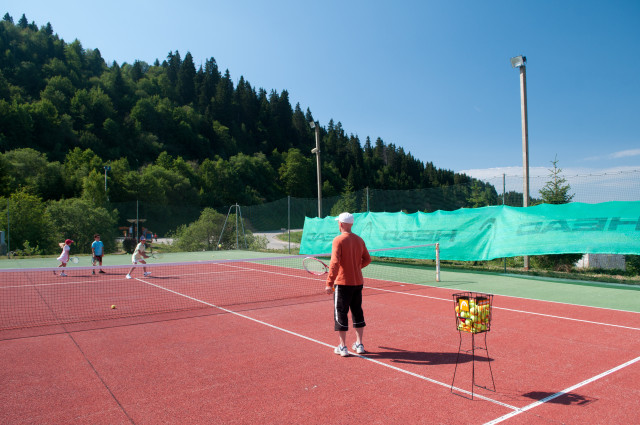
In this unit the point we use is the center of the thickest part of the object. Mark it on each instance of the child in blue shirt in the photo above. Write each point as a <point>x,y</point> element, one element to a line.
<point>97,249</point>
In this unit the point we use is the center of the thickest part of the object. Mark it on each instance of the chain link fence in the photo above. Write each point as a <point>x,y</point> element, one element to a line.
<point>290,212</point>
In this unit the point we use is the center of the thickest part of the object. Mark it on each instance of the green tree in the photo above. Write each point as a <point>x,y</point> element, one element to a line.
<point>30,225</point>
<point>80,219</point>
<point>93,188</point>
<point>186,80</point>
<point>556,191</point>
<point>346,203</point>
<point>59,91</point>
<point>165,187</point>
<point>203,234</point>
<point>77,165</point>
<point>24,167</point>
<point>297,174</point>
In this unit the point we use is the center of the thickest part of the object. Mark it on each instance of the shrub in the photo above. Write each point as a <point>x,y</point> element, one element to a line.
<point>556,262</point>
<point>129,245</point>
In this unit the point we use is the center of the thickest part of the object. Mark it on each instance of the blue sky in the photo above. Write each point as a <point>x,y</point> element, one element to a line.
<point>431,76</point>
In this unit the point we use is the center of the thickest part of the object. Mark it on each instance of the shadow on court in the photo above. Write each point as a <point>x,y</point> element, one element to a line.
<point>569,399</point>
<point>421,357</point>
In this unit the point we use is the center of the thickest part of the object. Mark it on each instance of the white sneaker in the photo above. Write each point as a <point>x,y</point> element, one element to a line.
<point>358,348</point>
<point>63,274</point>
<point>128,276</point>
<point>147,273</point>
<point>342,350</point>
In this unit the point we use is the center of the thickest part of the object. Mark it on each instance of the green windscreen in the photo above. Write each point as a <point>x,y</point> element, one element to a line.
<point>493,232</point>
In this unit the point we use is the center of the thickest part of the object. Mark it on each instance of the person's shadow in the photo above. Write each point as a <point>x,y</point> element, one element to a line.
<point>397,355</point>
<point>567,399</point>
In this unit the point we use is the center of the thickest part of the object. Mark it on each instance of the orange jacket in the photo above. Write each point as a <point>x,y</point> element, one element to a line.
<point>349,256</point>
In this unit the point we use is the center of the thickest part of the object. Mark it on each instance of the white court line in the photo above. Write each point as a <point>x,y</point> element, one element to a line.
<point>517,311</point>
<point>242,268</point>
<point>331,346</point>
<point>449,299</point>
<point>561,393</point>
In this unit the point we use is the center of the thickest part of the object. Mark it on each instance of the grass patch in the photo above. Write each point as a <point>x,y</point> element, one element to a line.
<point>296,237</point>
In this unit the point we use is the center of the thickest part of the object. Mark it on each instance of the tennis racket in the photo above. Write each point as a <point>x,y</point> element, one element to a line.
<point>74,260</point>
<point>156,255</point>
<point>315,266</point>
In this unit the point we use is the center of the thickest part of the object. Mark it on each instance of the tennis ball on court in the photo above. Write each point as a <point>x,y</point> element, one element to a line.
<point>113,307</point>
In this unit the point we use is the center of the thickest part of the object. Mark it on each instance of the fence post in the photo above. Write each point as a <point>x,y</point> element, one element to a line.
<point>8,232</point>
<point>503,196</point>
<point>289,220</point>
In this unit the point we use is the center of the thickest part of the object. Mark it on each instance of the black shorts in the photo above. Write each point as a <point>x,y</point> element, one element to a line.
<point>97,258</point>
<point>347,298</point>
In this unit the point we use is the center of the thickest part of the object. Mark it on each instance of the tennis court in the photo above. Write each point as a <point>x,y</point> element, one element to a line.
<point>251,341</point>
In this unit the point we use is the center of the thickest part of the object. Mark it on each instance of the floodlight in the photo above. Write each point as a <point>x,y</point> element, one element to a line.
<point>312,124</point>
<point>518,61</point>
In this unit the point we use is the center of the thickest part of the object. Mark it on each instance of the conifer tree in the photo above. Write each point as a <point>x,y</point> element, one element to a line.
<point>556,190</point>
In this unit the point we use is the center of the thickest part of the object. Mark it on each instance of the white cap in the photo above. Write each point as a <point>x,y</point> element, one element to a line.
<point>345,217</point>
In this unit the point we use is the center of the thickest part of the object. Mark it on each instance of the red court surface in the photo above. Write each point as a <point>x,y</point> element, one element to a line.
<point>274,364</point>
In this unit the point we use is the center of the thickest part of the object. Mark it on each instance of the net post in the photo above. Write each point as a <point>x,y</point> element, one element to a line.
<point>437,262</point>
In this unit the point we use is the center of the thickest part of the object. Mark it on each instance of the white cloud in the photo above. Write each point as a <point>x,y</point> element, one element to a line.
<point>615,155</point>
<point>625,154</point>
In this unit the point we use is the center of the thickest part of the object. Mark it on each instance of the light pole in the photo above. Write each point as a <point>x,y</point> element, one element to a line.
<point>520,62</point>
<point>316,150</point>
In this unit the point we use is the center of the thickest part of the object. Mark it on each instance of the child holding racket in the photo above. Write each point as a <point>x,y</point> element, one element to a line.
<point>138,257</point>
<point>64,257</point>
<point>97,249</point>
<point>349,256</point>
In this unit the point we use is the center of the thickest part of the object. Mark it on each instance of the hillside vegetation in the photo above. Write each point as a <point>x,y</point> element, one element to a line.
<point>172,134</point>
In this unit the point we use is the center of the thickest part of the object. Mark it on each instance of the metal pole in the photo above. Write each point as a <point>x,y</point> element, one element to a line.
<point>319,170</point>
<point>8,232</point>
<point>289,220</point>
<point>367,198</point>
<point>525,144</point>
<point>503,198</point>
<point>237,245</point>
<point>137,224</point>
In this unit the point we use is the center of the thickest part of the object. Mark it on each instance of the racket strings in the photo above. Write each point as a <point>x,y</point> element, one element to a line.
<point>315,266</point>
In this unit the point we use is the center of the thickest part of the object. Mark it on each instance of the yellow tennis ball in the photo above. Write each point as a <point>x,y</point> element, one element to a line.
<point>219,245</point>
<point>113,307</point>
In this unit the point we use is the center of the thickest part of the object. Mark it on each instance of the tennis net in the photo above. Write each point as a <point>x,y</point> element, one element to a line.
<point>42,297</point>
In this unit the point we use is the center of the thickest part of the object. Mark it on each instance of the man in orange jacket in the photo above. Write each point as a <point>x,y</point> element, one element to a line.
<point>349,256</point>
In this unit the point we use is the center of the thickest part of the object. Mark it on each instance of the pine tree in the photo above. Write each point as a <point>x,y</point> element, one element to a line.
<point>186,80</point>
<point>556,191</point>
<point>23,23</point>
